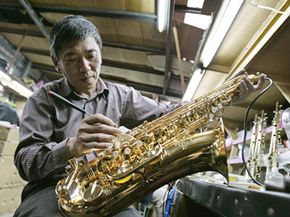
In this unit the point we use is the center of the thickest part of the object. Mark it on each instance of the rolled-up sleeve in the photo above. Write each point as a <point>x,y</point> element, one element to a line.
<point>36,157</point>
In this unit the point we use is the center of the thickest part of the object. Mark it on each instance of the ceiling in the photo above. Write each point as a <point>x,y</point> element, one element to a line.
<point>159,65</point>
<point>257,41</point>
<point>135,52</point>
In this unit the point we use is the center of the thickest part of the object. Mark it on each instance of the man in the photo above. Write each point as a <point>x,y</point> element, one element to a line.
<point>51,132</point>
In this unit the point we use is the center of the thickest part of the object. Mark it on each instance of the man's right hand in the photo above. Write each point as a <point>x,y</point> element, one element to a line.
<point>96,132</point>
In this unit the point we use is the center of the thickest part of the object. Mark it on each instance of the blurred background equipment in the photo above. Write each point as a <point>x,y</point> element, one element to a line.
<point>7,113</point>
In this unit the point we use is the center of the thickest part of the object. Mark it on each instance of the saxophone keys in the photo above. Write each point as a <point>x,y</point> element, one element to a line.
<point>152,152</point>
<point>115,154</point>
<point>61,188</point>
<point>211,117</point>
<point>139,143</point>
<point>93,192</point>
<point>155,154</point>
<point>74,192</point>
<point>214,109</point>
<point>117,144</point>
<point>127,151</point>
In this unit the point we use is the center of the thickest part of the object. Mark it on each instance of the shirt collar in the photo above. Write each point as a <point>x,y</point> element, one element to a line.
<point>102,88</point>
<point>66,89</point>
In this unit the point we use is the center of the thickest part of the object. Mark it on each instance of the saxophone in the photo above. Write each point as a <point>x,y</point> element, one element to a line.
<point>149,156</point>
<point>259,146</point>
<point>272,170</point>
<point>251,163</point>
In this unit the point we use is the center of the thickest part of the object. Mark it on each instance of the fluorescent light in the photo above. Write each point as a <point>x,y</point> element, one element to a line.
<point>162,14</point>
<point>4,77</point>
<point>225,17</point>
<point>197,20</point>
<point>193,84</point>
<point>195,3</point>
<point>21,89</point>
<point>6,80</point>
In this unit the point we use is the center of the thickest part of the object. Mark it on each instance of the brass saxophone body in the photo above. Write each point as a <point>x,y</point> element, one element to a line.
<point>151,155</point>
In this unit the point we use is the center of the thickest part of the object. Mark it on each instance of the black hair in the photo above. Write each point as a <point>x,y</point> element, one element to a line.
<point>72,27</point>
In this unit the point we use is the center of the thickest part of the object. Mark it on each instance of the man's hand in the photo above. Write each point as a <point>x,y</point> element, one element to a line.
<point>247,88</point>
<point>96,132</point>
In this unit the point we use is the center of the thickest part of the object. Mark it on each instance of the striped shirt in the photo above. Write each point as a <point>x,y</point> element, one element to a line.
<point>47,123</point>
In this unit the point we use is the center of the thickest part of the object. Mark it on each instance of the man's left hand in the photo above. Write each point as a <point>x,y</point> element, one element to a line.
<point>247,88</point>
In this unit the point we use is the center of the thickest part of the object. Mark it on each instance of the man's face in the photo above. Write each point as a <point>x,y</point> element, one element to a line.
<point>80,61</point>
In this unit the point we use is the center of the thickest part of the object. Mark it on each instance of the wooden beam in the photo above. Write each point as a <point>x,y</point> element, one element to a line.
<point>114,14</point>
<point>11,63</point>
<point>167,71</point>
<point>105,43</point>
<point>179,60</point>
<point>34,17</point>
<point>138,86</point>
